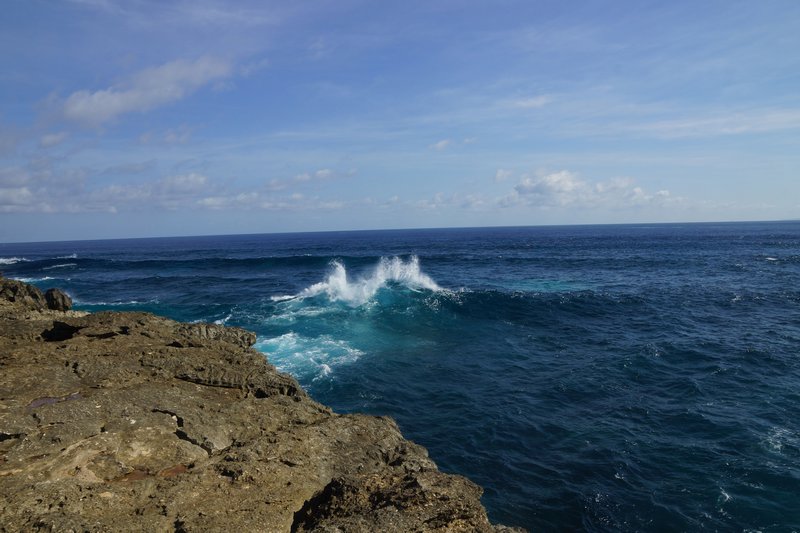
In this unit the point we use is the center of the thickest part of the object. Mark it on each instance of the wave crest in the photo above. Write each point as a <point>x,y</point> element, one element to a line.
<point>337,286</point>
<point>12,260</point>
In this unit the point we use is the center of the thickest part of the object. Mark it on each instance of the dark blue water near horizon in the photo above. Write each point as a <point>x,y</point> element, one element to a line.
<point>631,378</point>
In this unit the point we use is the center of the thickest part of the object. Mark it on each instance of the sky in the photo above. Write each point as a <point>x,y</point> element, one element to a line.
<point>136,118</point>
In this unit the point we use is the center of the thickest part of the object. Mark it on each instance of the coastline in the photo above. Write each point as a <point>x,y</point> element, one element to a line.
<point>130,421</point>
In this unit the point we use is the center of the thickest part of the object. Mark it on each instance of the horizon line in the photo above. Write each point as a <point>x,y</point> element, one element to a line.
<point>198,236</point>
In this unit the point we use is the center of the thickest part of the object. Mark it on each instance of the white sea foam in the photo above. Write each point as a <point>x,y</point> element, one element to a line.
<point>33,280</point>
<point>12,260</point>
<point>70,256</point>
<point>772,259</point>
<point>308,357</point>
<point>129,302</point>
<point>223,321</point>
<point>63,265</point>
<point>778,437</point>
<point>338,287</point>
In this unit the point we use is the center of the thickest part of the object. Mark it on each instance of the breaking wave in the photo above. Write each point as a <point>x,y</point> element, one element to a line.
<point>62,265</point>
<point>339,288</point>
<point>12,260</point>
<point>308,358</point>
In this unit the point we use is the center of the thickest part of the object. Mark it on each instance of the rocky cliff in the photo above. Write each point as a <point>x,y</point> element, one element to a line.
<point>129,421</point>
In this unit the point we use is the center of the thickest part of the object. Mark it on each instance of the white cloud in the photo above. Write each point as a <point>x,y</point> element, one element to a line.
<point>324,173</point>
<point>502,175</point>
<point>321,174</point>
<point>13,177</point>
<point>253,67</point>
<point>146,90</point>
<point>438,200</point>
<point>16,199</point>
<point>52,139</point>
<point>532,103</point>
<point>441,145</point>
<point>446,201</point>
<point>732,123</point>
<point>184,184</point>
<point>199,13</point>
<point>563,187</point>
<point>567,189</point>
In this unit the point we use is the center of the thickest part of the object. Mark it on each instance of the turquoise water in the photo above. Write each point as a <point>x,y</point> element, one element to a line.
<point>588,377</point>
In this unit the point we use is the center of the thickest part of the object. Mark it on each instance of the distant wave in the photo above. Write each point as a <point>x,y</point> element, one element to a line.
<point>12,260</point>
<point>112,304</point>
<point>70,256</point>
<point>63,265</point>
<point>33,280</point>
<point>337,286</point>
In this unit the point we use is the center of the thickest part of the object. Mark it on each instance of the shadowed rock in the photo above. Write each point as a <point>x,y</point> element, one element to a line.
<point>57,300</point>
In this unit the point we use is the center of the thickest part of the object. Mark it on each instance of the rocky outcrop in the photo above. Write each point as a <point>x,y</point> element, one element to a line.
<point>132,422</point>
<point>28,297</point>
<point>57,300</point>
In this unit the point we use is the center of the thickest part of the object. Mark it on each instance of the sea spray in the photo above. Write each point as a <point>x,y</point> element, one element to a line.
<point>338,288</point>
<point>350,307</point>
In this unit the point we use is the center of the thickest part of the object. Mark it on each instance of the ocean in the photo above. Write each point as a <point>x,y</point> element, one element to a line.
<point>598,378</point>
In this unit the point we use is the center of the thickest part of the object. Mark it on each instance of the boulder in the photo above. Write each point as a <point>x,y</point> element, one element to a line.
<point>22,294</point>
<point>57,300</point>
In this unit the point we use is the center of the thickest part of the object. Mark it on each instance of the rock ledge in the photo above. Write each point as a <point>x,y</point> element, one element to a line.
<point>133,422</point>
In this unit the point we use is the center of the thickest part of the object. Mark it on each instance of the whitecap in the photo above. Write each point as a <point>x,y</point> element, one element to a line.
<point>778,437</point>
<point>223,321</point>
<point>70,256</point>
<point>771,258</point>
<point>339,288</point>
<point>63,265</point>
<point>129,302</point>
<point>12,260</point>
<point>308,358</point>
<point>33,280</point>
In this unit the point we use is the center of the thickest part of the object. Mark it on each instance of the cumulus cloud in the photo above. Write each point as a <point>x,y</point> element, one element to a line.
<point>38,188</point>
<point>568,189</point>
<point>321,174</point>
<point>15,199</point>
<point>562,187</point>
<point>146,90</point>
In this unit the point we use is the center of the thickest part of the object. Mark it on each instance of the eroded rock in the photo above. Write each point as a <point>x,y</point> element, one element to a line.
<point>131,422</point>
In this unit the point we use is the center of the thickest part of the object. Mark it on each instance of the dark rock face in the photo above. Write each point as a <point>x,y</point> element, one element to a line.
<point>57,300</point>
<point>131,422</point>
<point>28,296</point>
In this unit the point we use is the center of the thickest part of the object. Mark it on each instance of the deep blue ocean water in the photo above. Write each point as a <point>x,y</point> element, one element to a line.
<point>636,377</point>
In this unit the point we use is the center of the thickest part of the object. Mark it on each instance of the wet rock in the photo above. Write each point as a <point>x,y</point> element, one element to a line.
<point>57,300</point>
<point>131,422</point>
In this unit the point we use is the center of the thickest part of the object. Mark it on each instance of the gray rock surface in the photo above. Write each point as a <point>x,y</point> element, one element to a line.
<point>133,422</point>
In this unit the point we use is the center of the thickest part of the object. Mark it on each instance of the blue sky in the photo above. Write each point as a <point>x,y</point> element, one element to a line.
<point>147,118</point>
